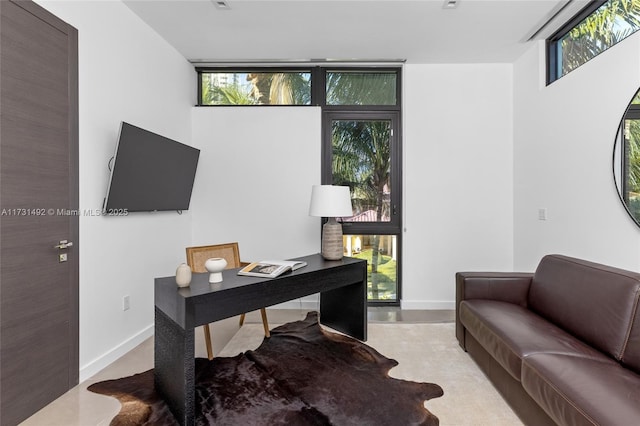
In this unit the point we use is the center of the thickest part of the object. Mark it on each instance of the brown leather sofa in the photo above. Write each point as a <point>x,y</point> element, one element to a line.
<point>562,345</point>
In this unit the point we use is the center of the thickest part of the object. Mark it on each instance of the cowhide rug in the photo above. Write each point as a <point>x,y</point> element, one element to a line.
<point>302,375</point>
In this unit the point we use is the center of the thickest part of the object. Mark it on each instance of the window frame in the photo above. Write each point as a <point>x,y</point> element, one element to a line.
<point>552,43</point>
<point>362,70</point>
<point>318,99</point>
<point>394,113</point>
<point>394,226</point>
<point>317,79</point>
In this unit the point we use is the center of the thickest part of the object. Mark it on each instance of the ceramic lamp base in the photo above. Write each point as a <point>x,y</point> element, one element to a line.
<point>332,246</point>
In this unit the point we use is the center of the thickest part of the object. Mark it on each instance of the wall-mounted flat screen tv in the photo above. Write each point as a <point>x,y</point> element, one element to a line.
<point>150,173</point>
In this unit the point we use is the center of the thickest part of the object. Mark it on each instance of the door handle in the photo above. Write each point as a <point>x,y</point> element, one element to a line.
<point>63,244</point>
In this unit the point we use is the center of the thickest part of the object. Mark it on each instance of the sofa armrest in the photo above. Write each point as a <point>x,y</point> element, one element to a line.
<point>511,287</point>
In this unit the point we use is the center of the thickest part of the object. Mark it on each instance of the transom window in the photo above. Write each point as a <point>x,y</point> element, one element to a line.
<point>596,28</point>
<point>254,87</point>
<point>361,88</point>
<point>346,87</point>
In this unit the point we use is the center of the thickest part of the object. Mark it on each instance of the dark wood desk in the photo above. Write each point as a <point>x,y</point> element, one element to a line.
<point>342,285</point>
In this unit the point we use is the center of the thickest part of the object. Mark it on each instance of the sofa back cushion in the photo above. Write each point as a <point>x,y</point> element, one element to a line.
<point>594,302</point>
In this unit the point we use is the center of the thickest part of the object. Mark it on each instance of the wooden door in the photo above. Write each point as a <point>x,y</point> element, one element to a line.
<point>39,202</point>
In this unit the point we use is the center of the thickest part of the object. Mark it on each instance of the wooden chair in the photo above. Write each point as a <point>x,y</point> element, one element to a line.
<point>197,256</point>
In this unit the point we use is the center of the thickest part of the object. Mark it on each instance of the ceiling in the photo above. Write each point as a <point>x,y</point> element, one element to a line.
<point>415,31</point>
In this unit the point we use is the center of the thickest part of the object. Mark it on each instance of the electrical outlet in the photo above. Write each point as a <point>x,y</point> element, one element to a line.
<point>126,303</point>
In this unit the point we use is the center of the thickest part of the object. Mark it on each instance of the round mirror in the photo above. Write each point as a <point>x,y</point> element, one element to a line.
<point>626,159</point>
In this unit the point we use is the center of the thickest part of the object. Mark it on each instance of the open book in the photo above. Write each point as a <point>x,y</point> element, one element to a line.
<point>271,268</point>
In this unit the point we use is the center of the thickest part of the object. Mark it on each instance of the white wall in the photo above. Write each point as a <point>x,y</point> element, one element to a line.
<point>126,72</point>
<point>254,183</point>
<point>458,177</point>
<point>564,136</point>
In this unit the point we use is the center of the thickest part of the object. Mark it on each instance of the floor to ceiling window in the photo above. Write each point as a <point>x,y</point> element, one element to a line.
<point>361,147</point>
<point>362,150</point>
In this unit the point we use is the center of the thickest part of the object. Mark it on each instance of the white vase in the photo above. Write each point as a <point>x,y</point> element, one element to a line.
<point>215,266</point>
<point>183,275</point>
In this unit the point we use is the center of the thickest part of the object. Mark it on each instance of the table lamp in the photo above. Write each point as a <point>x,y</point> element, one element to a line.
<point>331,201</point>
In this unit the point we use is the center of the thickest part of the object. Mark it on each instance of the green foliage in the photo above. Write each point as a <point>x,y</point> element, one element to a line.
<point>634,208</point>
<point>612,22</point>
<point>257,89</point>
<point>361,151</point>
<point>289,89</point>
<point>362,161</point>
<point>385,279</point>
<point>632,135</point>
<point>224,95</point>
<point>361,88</point>
<point>232,95</point>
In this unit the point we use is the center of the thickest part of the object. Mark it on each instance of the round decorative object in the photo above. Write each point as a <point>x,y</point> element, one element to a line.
<point>183,275</point>
<point>626,162</point>
<point>215,266</point>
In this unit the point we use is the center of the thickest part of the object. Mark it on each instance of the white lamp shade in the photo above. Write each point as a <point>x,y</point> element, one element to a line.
<point>330,201</point>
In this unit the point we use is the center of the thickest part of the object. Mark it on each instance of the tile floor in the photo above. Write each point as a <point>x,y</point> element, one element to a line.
<point>79,407</point>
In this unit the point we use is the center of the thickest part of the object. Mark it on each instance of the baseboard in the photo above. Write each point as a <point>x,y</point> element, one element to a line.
<point>427,304</point>
<point>90,369</point>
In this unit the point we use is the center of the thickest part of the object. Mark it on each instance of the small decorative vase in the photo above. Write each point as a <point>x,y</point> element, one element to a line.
<point>215,266</point>
<point>183,275</point>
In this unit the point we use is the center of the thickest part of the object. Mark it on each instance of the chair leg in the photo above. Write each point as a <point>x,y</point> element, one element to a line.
<point>207,341</point>
<point>241,319</point>
<point>265,322</point>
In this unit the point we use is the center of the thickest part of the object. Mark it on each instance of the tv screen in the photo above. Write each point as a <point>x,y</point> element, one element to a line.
<point>149,173</point>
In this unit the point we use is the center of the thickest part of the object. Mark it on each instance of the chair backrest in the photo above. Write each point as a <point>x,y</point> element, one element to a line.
<point>197,256</point>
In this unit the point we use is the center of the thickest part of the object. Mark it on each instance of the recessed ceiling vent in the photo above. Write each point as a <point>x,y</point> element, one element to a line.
<point>450,4</point>
<point>221,4</point>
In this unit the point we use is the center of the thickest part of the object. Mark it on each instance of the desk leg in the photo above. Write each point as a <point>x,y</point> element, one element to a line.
<point>345,309</point>
<point>174,373</point>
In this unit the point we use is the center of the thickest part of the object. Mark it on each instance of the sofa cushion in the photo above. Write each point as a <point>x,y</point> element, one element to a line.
<point>593,302</point>
<point>574,390</point>
<point>510,332</point>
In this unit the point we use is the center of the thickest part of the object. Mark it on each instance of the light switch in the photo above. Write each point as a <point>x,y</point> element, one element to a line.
<point>542,214</point>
